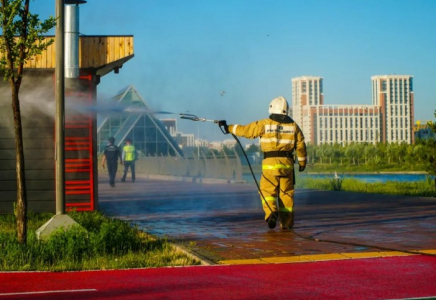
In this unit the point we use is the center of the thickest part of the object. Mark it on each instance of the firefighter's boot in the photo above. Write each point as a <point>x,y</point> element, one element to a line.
<point>272,221</point>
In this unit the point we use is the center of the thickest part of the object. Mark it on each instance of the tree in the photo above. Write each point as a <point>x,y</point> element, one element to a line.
<point>311,153</point>
<point>337,150</point>
<point>351,153</point>
<point>431,151</point>
<point>22,39</point>
<point>370,153</point>
<point>253,148</point>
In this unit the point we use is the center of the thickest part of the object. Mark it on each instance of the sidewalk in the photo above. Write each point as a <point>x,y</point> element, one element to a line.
<point>224,222</point>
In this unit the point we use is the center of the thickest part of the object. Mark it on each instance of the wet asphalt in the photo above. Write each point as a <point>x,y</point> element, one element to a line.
<point>225,221</point>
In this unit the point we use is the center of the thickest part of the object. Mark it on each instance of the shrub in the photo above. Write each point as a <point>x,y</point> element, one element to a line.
<point>116,237</point>
<point>336,184</point>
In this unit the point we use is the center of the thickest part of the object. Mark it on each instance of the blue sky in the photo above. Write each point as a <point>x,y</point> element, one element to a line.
<point>186,52</point>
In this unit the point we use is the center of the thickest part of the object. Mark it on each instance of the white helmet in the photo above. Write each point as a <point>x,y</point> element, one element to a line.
<point>278,106</point>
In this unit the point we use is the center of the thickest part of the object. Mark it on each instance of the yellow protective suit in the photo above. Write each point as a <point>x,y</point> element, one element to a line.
<point>277,172</point>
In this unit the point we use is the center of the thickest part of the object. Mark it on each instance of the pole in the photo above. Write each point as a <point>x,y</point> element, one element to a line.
<point>198,145</point>
<point>60,109</point>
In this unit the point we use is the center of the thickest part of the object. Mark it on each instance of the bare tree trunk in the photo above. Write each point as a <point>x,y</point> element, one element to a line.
<point>21,208</point>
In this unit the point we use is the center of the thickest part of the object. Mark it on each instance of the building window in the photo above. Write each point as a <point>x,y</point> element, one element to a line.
<point>383,85</point>
<point>304,87</point>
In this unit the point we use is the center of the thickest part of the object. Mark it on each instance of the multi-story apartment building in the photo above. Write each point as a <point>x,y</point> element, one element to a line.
<point>388,119</point>
<point>394,95</point>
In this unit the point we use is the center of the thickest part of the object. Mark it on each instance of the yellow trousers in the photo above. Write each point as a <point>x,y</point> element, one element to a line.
<point>283,188</point>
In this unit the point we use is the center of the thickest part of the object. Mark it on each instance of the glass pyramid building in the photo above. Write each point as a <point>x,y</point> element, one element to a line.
<point>130,117</point>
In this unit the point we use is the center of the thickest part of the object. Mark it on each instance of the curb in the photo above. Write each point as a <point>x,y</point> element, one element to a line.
<point>203,260</point>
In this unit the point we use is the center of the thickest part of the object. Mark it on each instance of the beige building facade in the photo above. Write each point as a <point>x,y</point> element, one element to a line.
<point>388,119</point>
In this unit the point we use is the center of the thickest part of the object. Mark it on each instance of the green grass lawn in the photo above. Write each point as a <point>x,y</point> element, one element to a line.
<point>100,243</point>
<point>424,188</point>
<point>417,189</point>
<point>331,168</point>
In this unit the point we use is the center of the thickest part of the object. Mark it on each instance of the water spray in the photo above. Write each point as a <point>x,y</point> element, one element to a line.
<point>108,108</point>
<point>197,119</point>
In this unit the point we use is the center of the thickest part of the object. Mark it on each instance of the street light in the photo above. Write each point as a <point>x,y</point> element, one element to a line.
<point>61,219</point>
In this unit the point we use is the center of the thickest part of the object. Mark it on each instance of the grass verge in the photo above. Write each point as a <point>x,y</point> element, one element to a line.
<point>423,188</point>
<point>330,168</point>
<point>100,243</point>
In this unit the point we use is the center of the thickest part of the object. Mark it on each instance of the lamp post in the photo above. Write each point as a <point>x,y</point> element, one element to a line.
<point>60,108</point>
<point>61,219</point>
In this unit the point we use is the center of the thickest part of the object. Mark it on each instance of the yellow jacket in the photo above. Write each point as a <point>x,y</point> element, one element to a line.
<point>275,136</point>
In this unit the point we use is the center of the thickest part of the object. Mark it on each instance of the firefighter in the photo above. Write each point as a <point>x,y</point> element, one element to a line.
<point>279,137</point>
<point>111,155</point>
<point>129,158</point>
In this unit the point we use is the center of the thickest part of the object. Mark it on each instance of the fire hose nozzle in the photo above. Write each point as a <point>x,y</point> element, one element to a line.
<point>195,118</point>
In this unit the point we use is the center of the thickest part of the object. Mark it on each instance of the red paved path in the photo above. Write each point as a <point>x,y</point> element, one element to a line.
<point>387,278</point>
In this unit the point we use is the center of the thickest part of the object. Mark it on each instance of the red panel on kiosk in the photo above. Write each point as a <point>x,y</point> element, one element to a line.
<point>79,177</point>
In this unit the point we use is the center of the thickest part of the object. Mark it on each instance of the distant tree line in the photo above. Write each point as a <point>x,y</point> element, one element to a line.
<point>418,156</point>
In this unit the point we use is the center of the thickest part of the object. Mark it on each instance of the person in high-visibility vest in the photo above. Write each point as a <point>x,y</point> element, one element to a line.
<point>279,136</point>
<point>129,158</point>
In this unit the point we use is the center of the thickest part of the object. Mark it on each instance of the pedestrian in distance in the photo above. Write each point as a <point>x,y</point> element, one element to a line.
<point>279,136</point>
<point>129,158</point>
<point>111,155</point>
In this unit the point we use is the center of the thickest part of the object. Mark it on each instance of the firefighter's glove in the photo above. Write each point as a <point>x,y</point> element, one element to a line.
<point>224,127</point>
<point>301,167</point>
